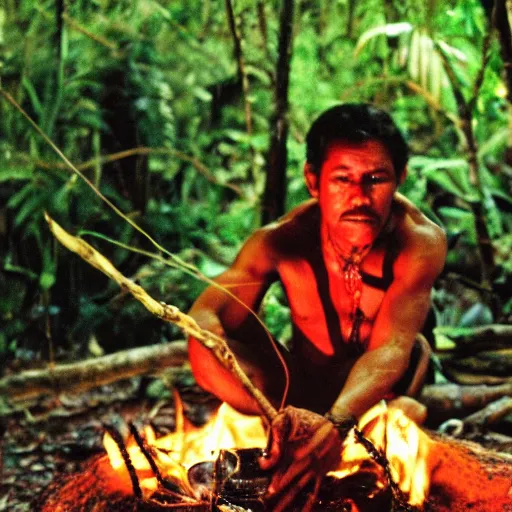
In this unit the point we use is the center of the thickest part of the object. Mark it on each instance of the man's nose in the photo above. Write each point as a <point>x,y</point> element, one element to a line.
<point>360,195</point>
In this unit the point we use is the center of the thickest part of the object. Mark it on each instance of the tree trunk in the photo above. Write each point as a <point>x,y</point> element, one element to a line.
<point>275,186</point>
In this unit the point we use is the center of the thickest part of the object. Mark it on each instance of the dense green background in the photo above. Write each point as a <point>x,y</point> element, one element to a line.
<point>160,80</point>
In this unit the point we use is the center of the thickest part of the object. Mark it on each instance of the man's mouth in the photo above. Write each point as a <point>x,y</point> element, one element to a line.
<point>363,215</point>
<point>365,219</point>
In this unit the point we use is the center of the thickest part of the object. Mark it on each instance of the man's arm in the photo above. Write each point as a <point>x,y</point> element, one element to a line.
<point>221,312</point>
<point>401,316</point>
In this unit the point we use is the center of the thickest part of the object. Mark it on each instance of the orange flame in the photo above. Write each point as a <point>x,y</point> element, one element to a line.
<point>403,443</point>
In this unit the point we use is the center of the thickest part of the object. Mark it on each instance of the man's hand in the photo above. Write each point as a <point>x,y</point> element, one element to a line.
<point>303,447</point>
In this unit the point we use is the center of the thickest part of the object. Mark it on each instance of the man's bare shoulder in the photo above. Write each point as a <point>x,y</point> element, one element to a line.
<point>295,231</point>
<point>423,242</point>
<point>285,237</point>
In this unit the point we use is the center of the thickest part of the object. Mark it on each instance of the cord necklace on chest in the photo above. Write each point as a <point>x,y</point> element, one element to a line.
<point>350,267</point>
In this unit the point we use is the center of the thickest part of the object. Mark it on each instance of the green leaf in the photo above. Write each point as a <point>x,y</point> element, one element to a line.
<point>30,206</point>
<point>459,220</point>
<point>452,51</point>
<point>414,61</point>
<point>452,176</point>
<point>443,342</point>
<point>32,94</point>
<point>436,76</point>
<point>20,196</point>
<point>426,54</point>
<point>495,143</point>
<point>492,215</point>
<point>202,94</point>
<point>47,280</point>
<point>389,30</point>
<point>15,173</point>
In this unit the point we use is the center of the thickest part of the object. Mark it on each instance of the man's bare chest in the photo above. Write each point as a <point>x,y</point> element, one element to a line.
<point>320,304</point>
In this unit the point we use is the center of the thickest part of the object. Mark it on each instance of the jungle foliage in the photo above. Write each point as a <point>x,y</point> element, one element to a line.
<point>148,99</point>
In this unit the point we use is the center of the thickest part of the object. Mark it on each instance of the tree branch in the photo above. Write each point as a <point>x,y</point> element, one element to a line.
<point>95,37</point>
<point>168,313</point>
<point>196,163</point>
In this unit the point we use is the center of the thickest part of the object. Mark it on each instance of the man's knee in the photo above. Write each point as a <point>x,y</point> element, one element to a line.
<point>411,408</point>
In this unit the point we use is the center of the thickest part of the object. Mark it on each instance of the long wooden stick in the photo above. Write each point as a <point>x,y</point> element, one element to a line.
<point>166,312</point>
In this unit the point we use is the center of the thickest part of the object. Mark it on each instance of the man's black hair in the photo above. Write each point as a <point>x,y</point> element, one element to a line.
<point>355,122</point>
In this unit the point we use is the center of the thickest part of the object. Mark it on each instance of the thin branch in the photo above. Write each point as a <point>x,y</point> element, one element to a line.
<point>196,163</point>
<point>262,23</point>
<point>242,74</point>
<point>168,313</point>
<point>173,259</point>
<point>479,80</point>
<point>469,282</point>
<point>78,28</point>
<point>94,37</point>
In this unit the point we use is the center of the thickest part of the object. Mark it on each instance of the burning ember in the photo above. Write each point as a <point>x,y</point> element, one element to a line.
<point>215,466</point>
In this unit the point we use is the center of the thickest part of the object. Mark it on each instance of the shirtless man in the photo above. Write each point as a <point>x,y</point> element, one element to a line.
<point>357,263</point>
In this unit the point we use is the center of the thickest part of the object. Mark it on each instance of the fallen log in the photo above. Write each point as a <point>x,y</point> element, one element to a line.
<point>456,400</point>
<point>81,376</point>
<point>475,427</point>
<point>497,367</point>
<point>474,379</point>
<point>471,339</point>
<point>491,413</point>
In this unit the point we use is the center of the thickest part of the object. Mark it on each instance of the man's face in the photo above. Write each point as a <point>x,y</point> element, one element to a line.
<point>355,191</point>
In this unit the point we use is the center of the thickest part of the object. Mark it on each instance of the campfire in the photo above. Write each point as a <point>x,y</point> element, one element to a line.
<point>388,463</point>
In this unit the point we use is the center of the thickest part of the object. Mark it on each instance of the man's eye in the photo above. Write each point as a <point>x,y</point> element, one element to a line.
<point>342,179</point>
<point>377,178</point>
